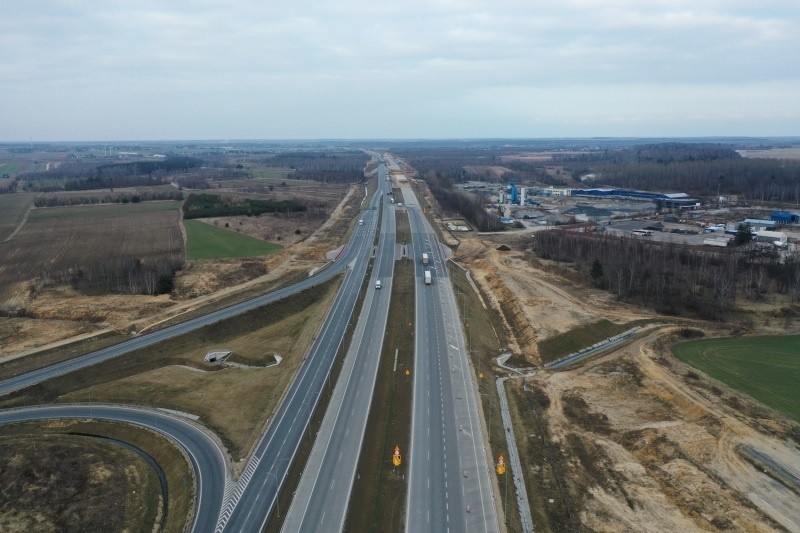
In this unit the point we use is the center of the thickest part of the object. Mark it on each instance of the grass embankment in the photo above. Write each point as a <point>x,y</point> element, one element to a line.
<point>55,475</point>
<point>379,491</point>
<point>766,368</point>
<point>582,337</point>
<point>205,241</point>
<point>234,402</point>
<point>485,339</point>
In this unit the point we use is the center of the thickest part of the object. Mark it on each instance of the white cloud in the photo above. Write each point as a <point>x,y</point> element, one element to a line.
<point>288,65</point>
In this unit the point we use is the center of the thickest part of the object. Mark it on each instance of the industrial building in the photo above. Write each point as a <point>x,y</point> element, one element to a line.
<point>669,199</point>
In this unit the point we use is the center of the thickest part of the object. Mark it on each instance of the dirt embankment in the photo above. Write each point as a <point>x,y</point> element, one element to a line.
<point>637,446</point>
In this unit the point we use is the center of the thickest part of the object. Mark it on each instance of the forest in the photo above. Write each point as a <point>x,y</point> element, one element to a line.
<point>466,204</point>
<point>669,277</point>
<point>697,169</point>
<point>212,205</point>
<point>325,167</point>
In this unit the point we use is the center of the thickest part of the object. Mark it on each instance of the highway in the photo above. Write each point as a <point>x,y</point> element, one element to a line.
<point>244,505</point>
<point>449,487</point>
<point>207,459</point>
<point>350,253</point>
<point>321,499</point>
<point>250,500</point>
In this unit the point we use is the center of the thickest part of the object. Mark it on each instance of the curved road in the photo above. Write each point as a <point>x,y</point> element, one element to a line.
<point>207,459</point>
<point>37,376</point>
<point>247,502</point>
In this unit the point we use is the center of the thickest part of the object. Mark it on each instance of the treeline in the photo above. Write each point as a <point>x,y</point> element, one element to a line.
<point>124,198</point>
<point>662,153</point>
<point>450,162</point>
<point>327,167</point>
<point>81,176</point>
<point>466,204</point>
<point>8,185</point>
<point>699,170</point>
<point>124,275</point>
<point>211,205</point>
<point>671,278</point>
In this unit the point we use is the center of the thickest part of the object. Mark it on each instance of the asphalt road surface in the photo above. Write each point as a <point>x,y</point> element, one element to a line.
<point>351,251</point>
<point>449,486</point>
<point>321,499</point>
<point>207,459</point>
<point>253,497</point>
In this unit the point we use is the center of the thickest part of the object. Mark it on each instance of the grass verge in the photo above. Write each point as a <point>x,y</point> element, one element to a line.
<point>234,402</point>
<point>204,241</point>
<point>377,502</point>
<point>581,337</point>
<point>766,368</point>
<point>68,476</point>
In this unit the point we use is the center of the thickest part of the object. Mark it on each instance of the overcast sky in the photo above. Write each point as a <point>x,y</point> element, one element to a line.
<point>296,69</point>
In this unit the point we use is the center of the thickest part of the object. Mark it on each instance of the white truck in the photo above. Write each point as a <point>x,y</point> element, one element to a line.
<point>361,222</point>
<point>428,278</point>
<point>378,284</point>
<point>425,259</point>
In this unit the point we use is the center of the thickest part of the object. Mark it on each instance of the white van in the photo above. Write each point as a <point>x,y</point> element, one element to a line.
<point>361,222</point>
<point>378,284</point>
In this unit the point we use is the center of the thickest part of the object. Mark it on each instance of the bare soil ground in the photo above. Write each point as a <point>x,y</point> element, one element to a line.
<point>638,446</point>
<point>536,304</point>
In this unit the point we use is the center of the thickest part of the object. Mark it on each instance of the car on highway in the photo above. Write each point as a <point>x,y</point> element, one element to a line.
<point>378,284</point>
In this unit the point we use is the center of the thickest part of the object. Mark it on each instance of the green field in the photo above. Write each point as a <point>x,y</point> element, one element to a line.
<point>210,242</point>
<point>766,368</point>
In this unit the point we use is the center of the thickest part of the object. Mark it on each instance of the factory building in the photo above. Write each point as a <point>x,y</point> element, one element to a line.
<point>673,199</point>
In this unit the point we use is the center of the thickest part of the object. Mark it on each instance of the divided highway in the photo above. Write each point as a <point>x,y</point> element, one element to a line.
<point>252,498</point>
<point>246,504</point>
<point>449,486</point>
<point>321,499</point>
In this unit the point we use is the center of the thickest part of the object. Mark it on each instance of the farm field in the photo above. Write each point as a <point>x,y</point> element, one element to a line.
<point>766,368</point>
<point>92,242</point>
<point>12,209</point>
<point>205,241</point>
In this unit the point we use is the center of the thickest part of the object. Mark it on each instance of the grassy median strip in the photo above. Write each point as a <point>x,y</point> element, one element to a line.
<point>234,402</point>
<point>485,340</point>
<point>377,502</point>
<point>55,473</point>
